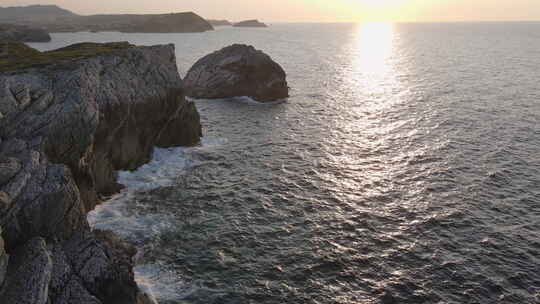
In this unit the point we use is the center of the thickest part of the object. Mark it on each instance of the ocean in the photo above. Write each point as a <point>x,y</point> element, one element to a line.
<point>404,168</point>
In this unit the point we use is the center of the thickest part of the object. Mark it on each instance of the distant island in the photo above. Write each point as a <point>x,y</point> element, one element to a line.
<point>23,33</point>
<point>31,13</point>
<point>250,23</point>
<point>56,19</point>
<point>219,22</point>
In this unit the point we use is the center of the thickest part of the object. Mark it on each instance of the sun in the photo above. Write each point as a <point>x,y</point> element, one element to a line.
<point>379,3</point>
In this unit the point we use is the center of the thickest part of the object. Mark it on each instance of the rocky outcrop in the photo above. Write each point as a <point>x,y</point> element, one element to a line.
<point>23,33</point>
<point>250,23</point>
<point>237,70</point>
<point>69,121</point>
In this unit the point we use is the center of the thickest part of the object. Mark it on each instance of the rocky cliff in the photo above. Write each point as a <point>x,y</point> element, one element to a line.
<point>69,119</point>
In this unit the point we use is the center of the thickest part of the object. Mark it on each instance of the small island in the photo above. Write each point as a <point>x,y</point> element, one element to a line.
<point>250,23</point>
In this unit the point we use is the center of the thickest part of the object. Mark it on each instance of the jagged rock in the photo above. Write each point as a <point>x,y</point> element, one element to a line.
<point>105,266</point>
<point>5,202</point>
<point>143,298</point>
<point>85,115</point>
<point>23,33</point>
<point>237,70</point>
<point>3,260</point>
<point>29,273</point>
<point>66,285</point>
<point>250,23</point>
<point>9,167</point>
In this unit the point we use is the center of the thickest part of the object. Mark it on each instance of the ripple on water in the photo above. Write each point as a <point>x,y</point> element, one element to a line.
<point>413,178</point>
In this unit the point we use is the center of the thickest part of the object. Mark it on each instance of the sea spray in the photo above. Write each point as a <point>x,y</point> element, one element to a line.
<point>119,214</point>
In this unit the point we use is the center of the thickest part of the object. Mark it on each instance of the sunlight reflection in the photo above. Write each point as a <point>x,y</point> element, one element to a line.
<point>375,46</point>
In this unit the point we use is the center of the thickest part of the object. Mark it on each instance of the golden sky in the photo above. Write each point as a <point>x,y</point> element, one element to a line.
<point>314,10</point>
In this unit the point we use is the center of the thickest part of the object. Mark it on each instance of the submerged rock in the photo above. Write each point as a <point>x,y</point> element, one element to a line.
<point>71,119</point>
<point>250,23</point>
<point>23,33</point>
<point>237,70</point>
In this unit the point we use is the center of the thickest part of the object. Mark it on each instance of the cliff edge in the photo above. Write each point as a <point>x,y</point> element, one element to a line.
<point>69,119</point>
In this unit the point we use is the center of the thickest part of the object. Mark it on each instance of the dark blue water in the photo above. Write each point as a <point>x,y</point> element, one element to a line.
<point>405,168</point>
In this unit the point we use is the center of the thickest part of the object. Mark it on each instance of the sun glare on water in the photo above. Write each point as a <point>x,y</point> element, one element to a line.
<point>374,46</point>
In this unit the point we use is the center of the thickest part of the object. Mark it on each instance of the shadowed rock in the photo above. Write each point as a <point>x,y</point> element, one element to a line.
<point>3,259</point>
<point>29,274</point>
<point>237,70</point>
<point>70,119</point>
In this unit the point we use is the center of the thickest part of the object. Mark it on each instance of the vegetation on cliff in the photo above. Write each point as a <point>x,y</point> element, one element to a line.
<point>17,55</point>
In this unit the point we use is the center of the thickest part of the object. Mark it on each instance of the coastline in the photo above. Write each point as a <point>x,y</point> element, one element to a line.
<point>65,147</point>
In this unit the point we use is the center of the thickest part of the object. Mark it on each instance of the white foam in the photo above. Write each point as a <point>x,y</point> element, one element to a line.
<point>240,99</point>
<point>117,214</point>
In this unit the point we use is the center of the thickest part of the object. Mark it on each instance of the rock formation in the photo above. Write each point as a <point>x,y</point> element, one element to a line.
<point>250,23</point>
<point>23,33</point>
<point>69,120</point>
<point>237,70</point>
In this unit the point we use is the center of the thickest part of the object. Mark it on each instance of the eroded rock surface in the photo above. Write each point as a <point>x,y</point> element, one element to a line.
<point>66,128</point>
<point>237,70</point>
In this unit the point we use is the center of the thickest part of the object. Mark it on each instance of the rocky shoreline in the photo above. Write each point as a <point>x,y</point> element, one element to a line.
<point>69,120</point>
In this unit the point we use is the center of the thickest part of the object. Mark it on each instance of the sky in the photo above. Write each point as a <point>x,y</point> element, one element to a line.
<point>314,10</point>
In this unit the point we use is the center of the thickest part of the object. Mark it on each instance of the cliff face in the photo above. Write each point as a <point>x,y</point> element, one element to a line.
<point>65,129</point>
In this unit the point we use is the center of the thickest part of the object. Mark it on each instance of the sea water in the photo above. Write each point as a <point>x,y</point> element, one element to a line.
<point>404,168</point>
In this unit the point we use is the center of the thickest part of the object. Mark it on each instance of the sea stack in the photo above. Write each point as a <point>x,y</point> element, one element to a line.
<point>234,71</point>
<point>71,118</point>
<point>250,23</point>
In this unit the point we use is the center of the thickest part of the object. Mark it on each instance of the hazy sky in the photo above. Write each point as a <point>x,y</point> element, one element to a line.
<point>314,10</point>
